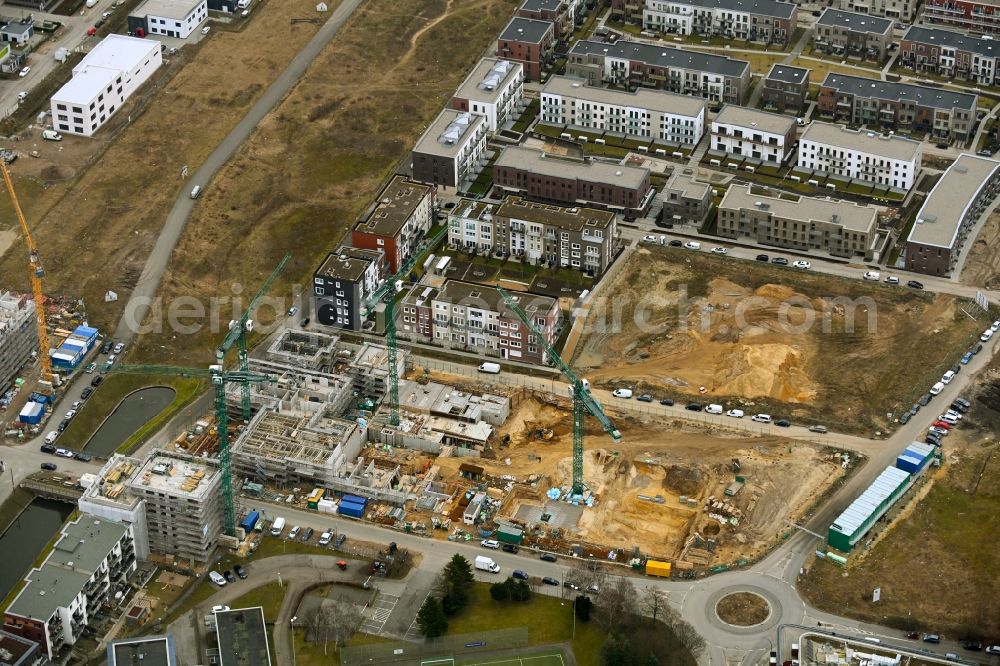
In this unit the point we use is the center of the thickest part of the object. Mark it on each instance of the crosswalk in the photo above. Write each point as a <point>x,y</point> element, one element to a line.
<point>380,612</point>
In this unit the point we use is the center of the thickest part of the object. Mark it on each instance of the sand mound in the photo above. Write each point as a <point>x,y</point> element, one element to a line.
<point>773,370</point>
<point>776,292</point>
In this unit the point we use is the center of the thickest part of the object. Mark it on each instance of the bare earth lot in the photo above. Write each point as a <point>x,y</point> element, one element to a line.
<point>95,231</point>
<point>321,156</point>
<point>982,266</point>
<point>771,339</point>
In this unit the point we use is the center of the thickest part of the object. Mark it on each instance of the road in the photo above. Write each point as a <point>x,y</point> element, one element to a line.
<point>152,273</point>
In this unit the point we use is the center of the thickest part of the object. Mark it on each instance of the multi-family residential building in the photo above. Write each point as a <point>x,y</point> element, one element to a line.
<point>583,238</point>
<point>397,221</point>
<point>62,596</point>
<point>494,89</point>
<point>183,496</point>
<point>982,16</point>
<point>561,13</point>
<point>898,10</point>
<point>948,215</point>
<point>20,651</point>
<point>342,284</point>
<point>842,33</point>
<point>645,114</point>
<point>145,650</point>
<point>944,113</point>
<point>529,42</point>
<point>102,81</point>
<point>471,316</point>
<point>760,135</point>
<point>768,21</point>
<point>951,54</point>
<point>451,150</point>
<point>786,88</point>
<point>533,174</point>
<point>874,158</point>
<point>18,335</point>
<point>840,228</point>
<point>635,64</point>
<point>171,18</point>
<point>685,200</point>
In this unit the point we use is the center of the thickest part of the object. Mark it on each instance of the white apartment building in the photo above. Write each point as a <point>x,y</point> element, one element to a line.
<point>104,79</point>
<point>645,113</point>
<point>451,151</point>
<point>756,134</point>
<point>494,89</point>
<point>172,18</point>
<point>61,597</point>
<point>758,20</point>
<point>884,160</point>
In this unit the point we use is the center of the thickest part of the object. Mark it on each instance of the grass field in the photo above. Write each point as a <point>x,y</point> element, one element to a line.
<point>545,659</point>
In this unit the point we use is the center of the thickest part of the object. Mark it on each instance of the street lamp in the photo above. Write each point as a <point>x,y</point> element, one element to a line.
<point>292,624</point>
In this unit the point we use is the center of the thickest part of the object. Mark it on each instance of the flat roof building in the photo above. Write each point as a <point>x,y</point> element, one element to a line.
<point>451,151</point>
<point>18,651</point>
<point>767,21</point>
<point>841,228</point>
<point>951,54</point>
<point>889,160</point>
<point>637,64</point>
<point>846,33</point>
<point>862,514</point>
<point>685,200</point>
<point>758,135</point>
<point>342,284</point>
<point>493,89</point>
<point>949,214</point>
<point>170,18</point>
<point>143,651</point>
<point>18,335</point>
<point>242,637</point>
<point>398,220</point>
<point>786,88</point>
<point>529,42</point>
<point>102,81</point>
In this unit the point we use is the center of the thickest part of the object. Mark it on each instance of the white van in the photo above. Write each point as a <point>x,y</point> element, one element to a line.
<point>51,437</point>
<point>735,413</point>
<point>714,409</point>
<point>936,389</point>
<point>761,418</point>
<point>196,192</point>
<point>948,376</point>
<point>622,393</point>
<point>491,368</point>
<point>217,578</point>
<point>278,526</point>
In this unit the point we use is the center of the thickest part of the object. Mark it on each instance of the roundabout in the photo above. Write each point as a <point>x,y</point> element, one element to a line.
<point>743,609</point>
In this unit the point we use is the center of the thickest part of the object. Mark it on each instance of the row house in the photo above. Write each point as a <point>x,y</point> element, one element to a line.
<point>530,42</point>
<point>643,114</point>
<point>62,596</point>
<point>536,175</point>
<point>807,224</point>
<point>634,65</point>
<point>342,284</point>
<point>786,88</point>
<point>857,100</point>
<point>767,21</point>
<point>464,315</point>
<point>951,54</point>
<point>452,150</point>
<point>760,135</point>
<point>897,10</point>
<point>843,33</point>
<point>493,89</point>
<point>556,236</point>
<point>561,13</point>
<point>982,16</point>
<point>950,213</point>
<point>685,201</point>
<point>890,160</point>
<point>397,221</point>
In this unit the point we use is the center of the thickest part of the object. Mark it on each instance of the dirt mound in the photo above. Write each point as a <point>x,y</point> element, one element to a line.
<point>776,292</point>
<point>773,370</point>
<point>684,480</point>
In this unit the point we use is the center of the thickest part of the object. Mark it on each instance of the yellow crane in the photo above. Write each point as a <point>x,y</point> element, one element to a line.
<point>37,272</point>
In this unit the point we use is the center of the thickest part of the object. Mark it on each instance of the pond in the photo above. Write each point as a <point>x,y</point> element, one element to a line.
<point>26,536</point>
<point>137,409</point>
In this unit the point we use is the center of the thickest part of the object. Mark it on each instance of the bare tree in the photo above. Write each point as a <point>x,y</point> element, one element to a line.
<point>685,633</point>
<point>321,622</point>
<point>349,619</point>
<point>654,603</point>
<point>617,604</point>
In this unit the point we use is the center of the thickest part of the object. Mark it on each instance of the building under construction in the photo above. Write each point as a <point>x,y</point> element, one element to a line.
<point>18,335</point>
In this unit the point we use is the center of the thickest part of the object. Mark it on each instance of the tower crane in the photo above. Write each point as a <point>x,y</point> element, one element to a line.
<point>37,273</point>
<point>387,294</point>
<point>220,377</point>
<point>583,401</point>
<point>238,331</point>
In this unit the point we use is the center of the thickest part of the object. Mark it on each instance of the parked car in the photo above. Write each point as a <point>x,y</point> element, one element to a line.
<point>667,402</point>
<point>230,576</point>
<point>650,238</point>
<point>206,29</point>
<point>973,645</point>
<point>719,250</point>
<point>547,557</point>
<point>645,397</point>
<point>761,418</point>
<point>801,263</point>
<point>892,279</point>
<point>943,425</point>
<point>783,423</point>
<point>993,649</point>
<point>490,543</point>
<point>873,276</point>
<point>995,326</point>
<point>307,535</point>
<point>780,261</point>
<point>904,418</point>
<point>83,456</point>
<point>106,347</point>
<point>24,72</point>
<point>763,257</point>
<point>325,538</point>
<point>937,388</point>
<point>549,580</point>
<point>963,401</point>
<point>947,377</point>
<point>64,453</point>
<point>959,407</point>
<point>118,348</point>
<point>924,399</point>
<point>47,448</point>
<point>966,357</point>
<point>62,425</point>
<point>818,428</point>
<point>692,245</point>
<point>932,638</point>
<point>571,585</point>
<point>220,609</point>
<point>96,381</point>
<point>913,284</point>
<point>90,368</point>
<point>216,578</point>
<point>676,243</point>
<point>294,533</point>
<point>622,393</point>
<point>987,334</point>
<point>520,575</point>
<point>240,571</point>
<point>510,548</point>
<point>693,406</point>
<point>735,413</point>
<point>49,467</point>
<point>86,392</point>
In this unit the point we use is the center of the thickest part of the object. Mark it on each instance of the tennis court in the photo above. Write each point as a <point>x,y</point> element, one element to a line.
<point>548,659</point>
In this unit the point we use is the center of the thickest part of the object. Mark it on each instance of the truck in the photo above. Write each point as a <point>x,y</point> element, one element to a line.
<point>51,135</point>
<point>490,368</point>
<point>278,526</point>
<point>657,568</point>
<point>484,563</point>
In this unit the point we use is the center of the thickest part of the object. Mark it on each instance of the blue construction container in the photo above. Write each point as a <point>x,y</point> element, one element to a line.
<point>66,359</point>
<point>355,499</point>
<point>250,521</point>
<point>351,509</point>
<point>915,457</point>
<point>88,333</point>
<point>32,413</point>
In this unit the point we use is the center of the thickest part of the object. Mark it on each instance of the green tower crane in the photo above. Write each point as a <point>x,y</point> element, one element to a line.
<point>219,379</point>
<point>238,331</point>
<point>387,294</point>
<point>583,401</point>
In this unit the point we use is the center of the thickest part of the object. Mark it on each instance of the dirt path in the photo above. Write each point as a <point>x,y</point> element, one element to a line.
<point>415,37</point>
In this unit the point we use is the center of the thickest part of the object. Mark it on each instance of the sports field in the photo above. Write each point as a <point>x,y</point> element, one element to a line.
<point>545,659</point>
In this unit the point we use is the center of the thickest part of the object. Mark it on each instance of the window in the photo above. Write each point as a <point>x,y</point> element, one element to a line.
<point>319,291</point>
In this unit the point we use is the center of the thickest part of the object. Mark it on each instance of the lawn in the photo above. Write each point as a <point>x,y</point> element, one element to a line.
<point>937,567</point>
<point>268,596</point>
<point>548,619</point>
<point>308,654</point>
<point>112,391</point>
